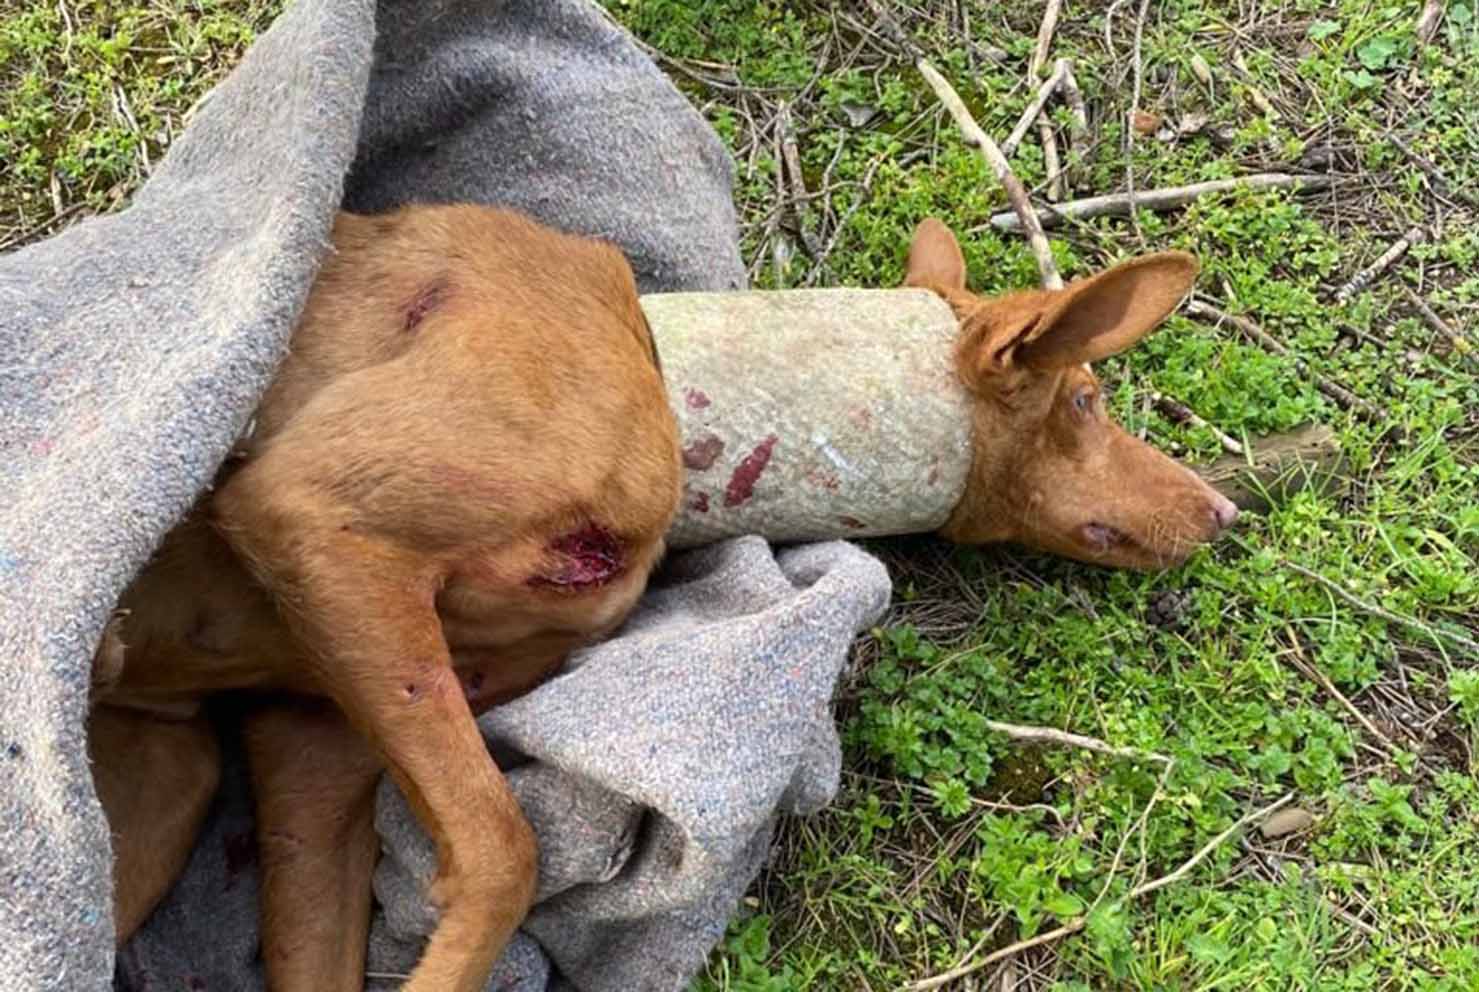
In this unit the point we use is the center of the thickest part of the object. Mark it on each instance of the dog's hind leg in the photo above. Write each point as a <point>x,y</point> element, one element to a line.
<point>155,778</point>
<point>313,780</point>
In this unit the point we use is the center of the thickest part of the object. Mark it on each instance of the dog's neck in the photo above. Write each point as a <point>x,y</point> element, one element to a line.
<point>811,415</point>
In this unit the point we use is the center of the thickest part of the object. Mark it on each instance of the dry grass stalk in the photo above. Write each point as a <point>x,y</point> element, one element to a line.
<point>1076,924</point>
<point>1388,258</point>
<point>1168,198</point>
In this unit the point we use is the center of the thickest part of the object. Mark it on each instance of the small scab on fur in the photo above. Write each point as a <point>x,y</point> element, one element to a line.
<point>424,302</point>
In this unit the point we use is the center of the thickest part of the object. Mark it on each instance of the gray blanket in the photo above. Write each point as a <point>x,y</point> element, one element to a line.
<point>133,348</point>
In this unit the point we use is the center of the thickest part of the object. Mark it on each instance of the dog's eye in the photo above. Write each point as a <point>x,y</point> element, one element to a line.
<point>1083,401</point>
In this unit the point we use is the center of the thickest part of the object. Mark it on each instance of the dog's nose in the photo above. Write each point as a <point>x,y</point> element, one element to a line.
<point>1224,510</point>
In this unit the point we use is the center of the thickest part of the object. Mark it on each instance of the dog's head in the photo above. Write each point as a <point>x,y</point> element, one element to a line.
<point>1050,469</point>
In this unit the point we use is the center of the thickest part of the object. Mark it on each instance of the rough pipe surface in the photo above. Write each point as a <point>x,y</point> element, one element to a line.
<point>813,414</point>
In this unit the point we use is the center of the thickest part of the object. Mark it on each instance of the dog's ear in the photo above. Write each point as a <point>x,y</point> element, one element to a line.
<point>1084,322</point>
<point>1103,315</point>
<point>935,261</point>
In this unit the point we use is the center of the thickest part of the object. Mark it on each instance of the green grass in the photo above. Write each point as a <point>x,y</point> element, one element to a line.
<point>948,837</point>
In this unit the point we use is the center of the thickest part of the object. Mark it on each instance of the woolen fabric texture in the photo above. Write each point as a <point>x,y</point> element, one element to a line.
<point>133,350</point>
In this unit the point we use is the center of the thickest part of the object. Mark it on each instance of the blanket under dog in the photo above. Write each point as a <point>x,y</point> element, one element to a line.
<point>133,349</point>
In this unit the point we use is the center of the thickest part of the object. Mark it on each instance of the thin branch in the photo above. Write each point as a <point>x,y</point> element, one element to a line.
<point>1350,599</point>
<point>1016,192</point>
<point>791,155</point>
<point>1428,21</point>
<point>1182,414</point>
<point>1045,32</point>
<point>1076,924</point>
<point>1208,848</point>
<point>1045,135</point>
<point>1441,183</point>
<point>1063,738</point>
<point>1167,198</point>
<point>1051,161</point>
<point>1461,345</point>
<point>1078,131</point>
<point>864,191</point>
<point>976,136</point>
<point>1138,828</point>
<point>1044,93</point>
<point>1130,201</point>
<point>1310,670</point>
<point>1342,396</point>
<point>38,230</point>
<point>1388,258</point>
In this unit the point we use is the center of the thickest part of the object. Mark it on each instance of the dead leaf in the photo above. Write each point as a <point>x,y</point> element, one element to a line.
<point>1145,122</point>
<point>1286,821</point>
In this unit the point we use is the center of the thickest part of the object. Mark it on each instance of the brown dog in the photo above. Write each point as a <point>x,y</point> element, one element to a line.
<point>434,485</point>
<point>465,467</point>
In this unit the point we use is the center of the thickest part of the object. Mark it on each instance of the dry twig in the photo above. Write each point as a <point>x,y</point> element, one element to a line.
<point>1063,738</point>
<point>1441,184</point>
<point>1130,201</point>
<point>864,190</point>
<point>1078,132</point>
<point>791,155</point>
<point>1309,670</point>
<point>1182,414</point>
<point>1388,258</point>
<point>1016,192</point>
<point>1045,133</point>
<point>975,135</point>
<point>1045,31</point>
<point>1461,345</point>
<point>1412,623</point>
<point>1034,109</point>
<point>1167,198</point>
<point>1342,396</point>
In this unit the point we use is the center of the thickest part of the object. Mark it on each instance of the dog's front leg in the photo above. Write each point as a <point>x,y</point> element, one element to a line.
<point>363,606</point>
<point>313,781</point>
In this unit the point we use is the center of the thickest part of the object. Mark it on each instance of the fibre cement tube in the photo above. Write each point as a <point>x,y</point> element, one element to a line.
<point>813,414</point>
